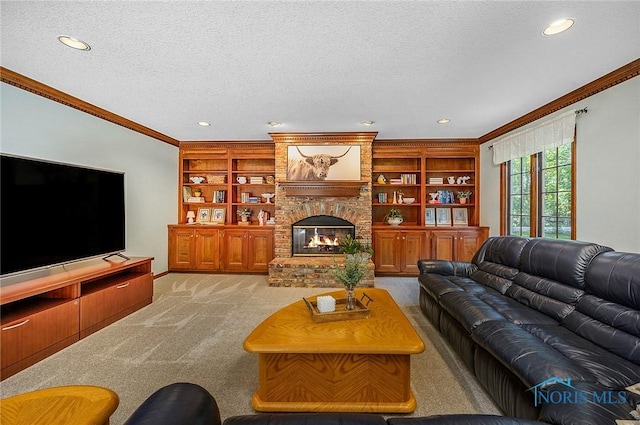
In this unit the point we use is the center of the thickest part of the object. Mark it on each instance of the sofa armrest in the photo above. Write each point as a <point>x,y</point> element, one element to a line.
<point>446,268</point>
<point>177,404</point>
<point>462,419</point>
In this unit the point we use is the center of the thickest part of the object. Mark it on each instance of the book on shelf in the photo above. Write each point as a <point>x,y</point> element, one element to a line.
<point>256,180</point>
<point>186,193</point>
<point>408,178</point>
<point>436,180</point>
<point>218,196</point>
<point>195,199</point>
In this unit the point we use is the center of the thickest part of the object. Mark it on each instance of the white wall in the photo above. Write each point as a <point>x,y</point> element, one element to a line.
<point>36,127</point>
<point>607,174</point>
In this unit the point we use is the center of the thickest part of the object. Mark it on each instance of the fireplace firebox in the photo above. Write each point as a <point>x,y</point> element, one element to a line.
<point>319,235</point>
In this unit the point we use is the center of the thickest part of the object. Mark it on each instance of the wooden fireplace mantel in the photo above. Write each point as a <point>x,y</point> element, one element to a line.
<point>323,188</point>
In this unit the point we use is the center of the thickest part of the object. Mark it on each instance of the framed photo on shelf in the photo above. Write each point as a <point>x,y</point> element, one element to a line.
<point>443,216</point>
<point>218,215</point>
<point>460,217</point>
<point>429,216</point>
<point>204,215</point>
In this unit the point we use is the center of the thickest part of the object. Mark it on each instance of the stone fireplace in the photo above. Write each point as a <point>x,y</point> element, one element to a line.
<point>348,201</point>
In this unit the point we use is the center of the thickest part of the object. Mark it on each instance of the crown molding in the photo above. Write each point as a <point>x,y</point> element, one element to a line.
<point>20,81</point>
<point>609,80</point>
<point>425,142</point>
<point>333,137</point>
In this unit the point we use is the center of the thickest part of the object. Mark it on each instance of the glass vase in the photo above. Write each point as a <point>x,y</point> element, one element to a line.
<point>351,299</point>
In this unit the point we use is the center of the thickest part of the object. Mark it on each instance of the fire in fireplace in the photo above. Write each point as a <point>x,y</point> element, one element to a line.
<point>319,235</point>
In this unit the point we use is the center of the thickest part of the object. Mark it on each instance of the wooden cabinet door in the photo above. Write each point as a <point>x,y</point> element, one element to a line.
<point>34,333</point>
<point>443,244</point>
<point>207,244</point>
<point>236,243</point>
<point>469,242</point>
<point>386,251</point>
<point>181,248</point>
<point>260,250</point>
<point>413,249</point>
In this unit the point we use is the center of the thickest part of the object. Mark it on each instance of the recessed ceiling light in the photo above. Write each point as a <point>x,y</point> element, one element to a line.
<point>367,122</point>
<point>274,123</point>
<point>558,26</point>
<point>204,124</point>
<point>73,43</point>
<point>443,121</point>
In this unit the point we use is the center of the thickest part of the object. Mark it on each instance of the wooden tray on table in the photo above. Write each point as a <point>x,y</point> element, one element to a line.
<point>341,313</point>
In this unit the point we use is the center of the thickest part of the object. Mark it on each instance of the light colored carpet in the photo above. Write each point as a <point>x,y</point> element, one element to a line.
<point>194,330</point>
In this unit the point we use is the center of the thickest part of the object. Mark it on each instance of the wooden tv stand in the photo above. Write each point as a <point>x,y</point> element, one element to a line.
<point>51,309</point>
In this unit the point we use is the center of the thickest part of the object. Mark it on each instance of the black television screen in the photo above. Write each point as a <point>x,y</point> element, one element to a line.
<point>54,213</point>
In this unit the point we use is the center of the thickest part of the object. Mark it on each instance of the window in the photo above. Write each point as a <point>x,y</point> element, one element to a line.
<point>540,194</point>
<point>520,196</point>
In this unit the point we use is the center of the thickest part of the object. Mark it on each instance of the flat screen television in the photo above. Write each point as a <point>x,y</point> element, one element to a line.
<point>53,213</point>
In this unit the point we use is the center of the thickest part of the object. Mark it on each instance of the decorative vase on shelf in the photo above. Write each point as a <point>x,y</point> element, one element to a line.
<point>463,200</point>
<point>395,221</point>
<point>244,218</point>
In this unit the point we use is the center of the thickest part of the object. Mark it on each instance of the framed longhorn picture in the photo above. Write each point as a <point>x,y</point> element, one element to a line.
<point>323,162</point>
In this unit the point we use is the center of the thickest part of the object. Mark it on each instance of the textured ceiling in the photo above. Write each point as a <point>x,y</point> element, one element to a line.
<point>318,65</point>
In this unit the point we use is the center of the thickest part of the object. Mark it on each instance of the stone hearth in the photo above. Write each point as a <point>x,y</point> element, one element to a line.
<point>311,272</point>
<point>286,270</point>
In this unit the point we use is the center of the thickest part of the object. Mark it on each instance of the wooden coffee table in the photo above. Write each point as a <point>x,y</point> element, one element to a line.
<point>344,366</point>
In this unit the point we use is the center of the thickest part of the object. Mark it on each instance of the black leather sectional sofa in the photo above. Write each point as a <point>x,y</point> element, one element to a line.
<point>550,328</point>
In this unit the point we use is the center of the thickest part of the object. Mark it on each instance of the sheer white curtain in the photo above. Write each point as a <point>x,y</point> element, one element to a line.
<point>550,134</point>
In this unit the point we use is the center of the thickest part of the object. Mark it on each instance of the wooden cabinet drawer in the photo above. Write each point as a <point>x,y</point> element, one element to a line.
<point>108,304</point>
<point>31,334</point>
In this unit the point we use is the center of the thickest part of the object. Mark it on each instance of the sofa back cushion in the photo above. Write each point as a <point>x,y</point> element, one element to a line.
<point>503,250</point>
<point>615,276</point>
<point>609,325</point>
<point>552,298</point>
<point>562,261</point>
<point>497,261</point>
<point>609,313</point>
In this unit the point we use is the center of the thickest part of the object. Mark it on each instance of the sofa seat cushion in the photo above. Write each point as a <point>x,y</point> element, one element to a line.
<point>525,355</point>
<point>468,310</point>
<point>515,312</point>
<point>584,404</point>
<point>462,419</point>
<point>307,419</point>
<point>612,371</point>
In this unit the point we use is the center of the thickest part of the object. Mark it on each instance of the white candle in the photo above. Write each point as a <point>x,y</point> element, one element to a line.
<point>326,304</point>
